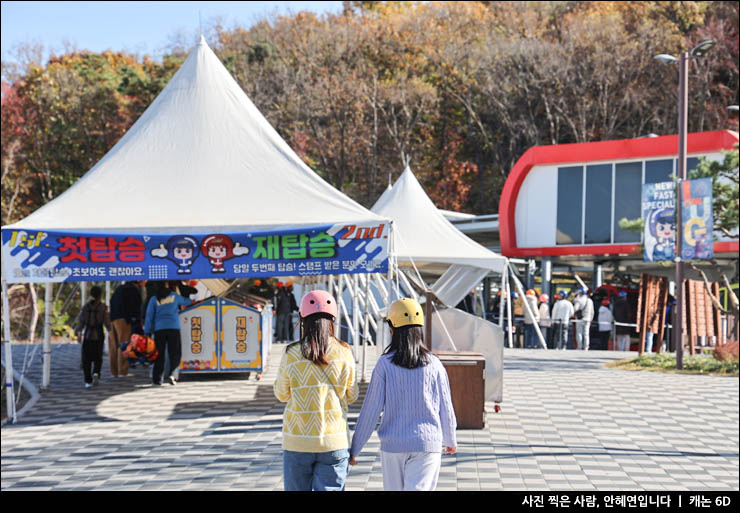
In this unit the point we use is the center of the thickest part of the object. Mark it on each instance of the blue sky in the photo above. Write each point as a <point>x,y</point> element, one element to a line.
<point>135,27</point>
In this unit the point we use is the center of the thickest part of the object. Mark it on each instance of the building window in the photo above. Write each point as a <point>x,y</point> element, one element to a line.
<point>657,171</point>
<point>593,198</point>
<point>598,215</point>
<point>627,198</point>
<point>570,205</point>
<point>691,164</point>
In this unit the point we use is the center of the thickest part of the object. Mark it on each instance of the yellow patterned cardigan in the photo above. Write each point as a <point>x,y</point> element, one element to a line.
<point>313,419</point>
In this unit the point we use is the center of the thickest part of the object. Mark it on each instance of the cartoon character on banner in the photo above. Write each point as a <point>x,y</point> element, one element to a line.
<point>662,229</point>
<point>180,249</point>
<point>219,248</point>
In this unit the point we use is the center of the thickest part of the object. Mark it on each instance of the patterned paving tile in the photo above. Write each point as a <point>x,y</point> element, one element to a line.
<point>566,423</point>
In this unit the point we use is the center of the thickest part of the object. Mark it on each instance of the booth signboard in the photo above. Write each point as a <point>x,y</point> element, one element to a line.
<point>241,337</point>
<point>219,335</point>
<point>198,332</point>
<point>659,216</point>
<point>43,256</point>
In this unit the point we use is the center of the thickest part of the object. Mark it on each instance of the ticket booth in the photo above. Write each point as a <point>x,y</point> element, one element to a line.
<point>219,335</point>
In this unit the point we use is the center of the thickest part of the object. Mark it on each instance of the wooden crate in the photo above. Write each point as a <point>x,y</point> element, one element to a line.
<point>466,372</point>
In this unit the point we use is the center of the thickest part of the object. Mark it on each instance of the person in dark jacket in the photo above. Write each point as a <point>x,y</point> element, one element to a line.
<point>467,303</point>
<point>622,316</point>
<point>285,305</point>
<point>93,318</point>
<point>293,308</point>
<point>125,317</point>
<point>162,320</point>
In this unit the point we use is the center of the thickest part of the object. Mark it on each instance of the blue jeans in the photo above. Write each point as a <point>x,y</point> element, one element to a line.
<point>530,336</point>
<point>649,342</point>
<point>317,471</point>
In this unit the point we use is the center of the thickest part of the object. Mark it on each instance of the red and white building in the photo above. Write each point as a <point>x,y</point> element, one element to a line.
<point>565,201</point>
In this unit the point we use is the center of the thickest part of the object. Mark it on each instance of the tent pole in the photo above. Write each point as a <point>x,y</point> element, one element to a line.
<point>508,309</point>
<point>106,345</point>
<point>8,355</point>
<point>340,304</point>
<point>332,290</point>
<point>388,297</point>
<point>501,299</point>
<point>46,375</point>
<point>355,313</point>
<point>529,310</point>
<point>405,281</point>
<point>366,330</point>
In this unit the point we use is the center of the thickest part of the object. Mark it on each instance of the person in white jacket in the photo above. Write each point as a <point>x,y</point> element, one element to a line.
<point>562,311</point>
<point>584,313</point>
<point>606,320</point>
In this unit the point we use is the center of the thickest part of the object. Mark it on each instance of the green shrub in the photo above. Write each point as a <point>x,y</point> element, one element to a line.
<point>700,364</point>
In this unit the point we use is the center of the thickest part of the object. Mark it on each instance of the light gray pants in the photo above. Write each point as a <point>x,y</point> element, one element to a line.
<point>623,342</point>
<point>583,329</point>
<point>410,471</point>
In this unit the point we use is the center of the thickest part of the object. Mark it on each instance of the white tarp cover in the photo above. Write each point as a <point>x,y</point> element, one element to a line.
<point>457,282</point>
<point>423,234</point>
<point>473,334</point>
<point>201,158</point>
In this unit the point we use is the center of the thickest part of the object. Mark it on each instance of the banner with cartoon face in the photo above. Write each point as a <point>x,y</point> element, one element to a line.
<point>43,256</point>
<point>659,216</point>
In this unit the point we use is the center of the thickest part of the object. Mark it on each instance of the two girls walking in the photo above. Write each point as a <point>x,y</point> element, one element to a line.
<point>409,386</point>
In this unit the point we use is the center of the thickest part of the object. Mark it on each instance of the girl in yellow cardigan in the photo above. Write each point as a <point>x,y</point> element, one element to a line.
<point>317,379</point>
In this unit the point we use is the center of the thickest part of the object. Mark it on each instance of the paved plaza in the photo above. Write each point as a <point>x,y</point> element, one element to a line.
<point>566,423</point>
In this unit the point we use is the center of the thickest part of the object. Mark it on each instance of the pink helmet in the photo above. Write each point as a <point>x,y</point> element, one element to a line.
<point>318,301</point>
<point>544,298</point>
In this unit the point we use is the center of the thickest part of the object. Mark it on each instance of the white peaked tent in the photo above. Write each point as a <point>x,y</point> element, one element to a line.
<point>201,158</point>
<point>425,238</point>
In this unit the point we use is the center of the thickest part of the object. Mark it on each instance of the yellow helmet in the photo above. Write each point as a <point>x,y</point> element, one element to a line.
<point>405,312</point>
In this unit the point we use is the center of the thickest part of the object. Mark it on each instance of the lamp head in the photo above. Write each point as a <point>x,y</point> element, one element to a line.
<point>702,48</point>
<point>665,58</point>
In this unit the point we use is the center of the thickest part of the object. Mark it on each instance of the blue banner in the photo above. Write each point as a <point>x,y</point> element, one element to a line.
<point>659,216</point>
<point>697,219</point>
<point>41,256</point>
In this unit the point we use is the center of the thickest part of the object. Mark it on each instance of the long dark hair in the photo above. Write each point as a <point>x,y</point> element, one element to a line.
<point>165,287</point>
<point>408,344</point>
<point>315,332</point>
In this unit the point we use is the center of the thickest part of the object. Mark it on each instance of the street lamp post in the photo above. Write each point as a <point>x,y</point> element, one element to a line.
<point>683,88</point>
<point>683,110</point>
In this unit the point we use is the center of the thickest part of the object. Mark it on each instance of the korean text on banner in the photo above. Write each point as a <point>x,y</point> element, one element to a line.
<point>42,256</point>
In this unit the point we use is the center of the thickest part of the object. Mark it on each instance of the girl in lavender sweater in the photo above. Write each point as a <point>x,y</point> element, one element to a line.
<point>410,386</point>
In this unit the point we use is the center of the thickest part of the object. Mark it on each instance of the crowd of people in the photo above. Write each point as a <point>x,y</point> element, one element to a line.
<point>148,309</point>
<point>568,323</point>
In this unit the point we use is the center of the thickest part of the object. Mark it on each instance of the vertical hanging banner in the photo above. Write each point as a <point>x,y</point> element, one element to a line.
<point>43,256</point>
<point>697,218</point>
<point>659,216</point>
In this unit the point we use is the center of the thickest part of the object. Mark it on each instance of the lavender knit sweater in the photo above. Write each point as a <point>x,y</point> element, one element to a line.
<point>416,405</point>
